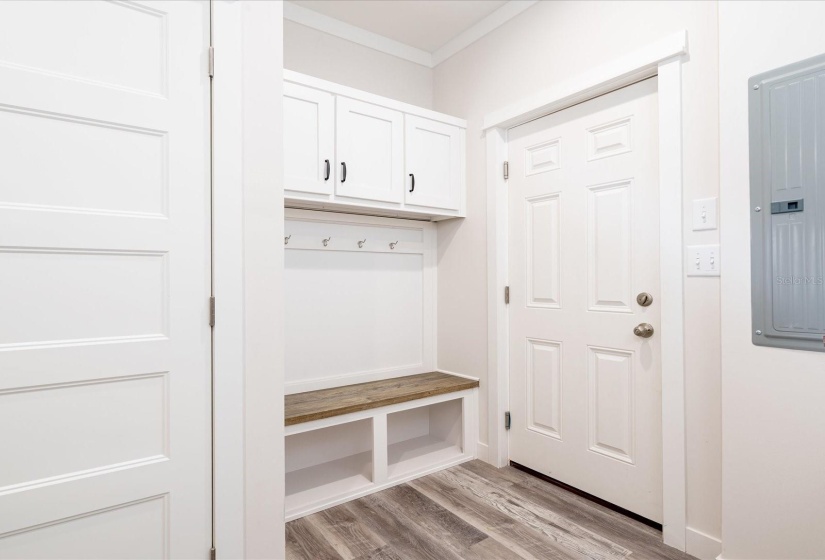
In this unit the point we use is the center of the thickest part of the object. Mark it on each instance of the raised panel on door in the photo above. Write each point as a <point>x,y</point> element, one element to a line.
<point>544,387</point>
<point>309,140</point>
<point>104,248</point>
<point>370,144</point>
<point>434,162</point>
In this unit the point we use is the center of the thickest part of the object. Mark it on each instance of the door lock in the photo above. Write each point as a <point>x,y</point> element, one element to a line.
<point>644,299</point>
<point>644,330</point>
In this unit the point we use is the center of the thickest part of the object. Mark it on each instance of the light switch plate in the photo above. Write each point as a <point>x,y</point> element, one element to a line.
<point>703,260</point>
<point>704,214</point>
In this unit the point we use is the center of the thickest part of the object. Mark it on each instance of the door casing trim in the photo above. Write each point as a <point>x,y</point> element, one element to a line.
<point>663,59</point>
<point>248,276</point>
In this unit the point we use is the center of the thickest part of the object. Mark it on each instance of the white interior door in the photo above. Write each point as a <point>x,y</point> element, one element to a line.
<point>433,162</point>
<point>309,150</point>
<point>585,390</point>
<point>104,252</point>
<point>370,144</point>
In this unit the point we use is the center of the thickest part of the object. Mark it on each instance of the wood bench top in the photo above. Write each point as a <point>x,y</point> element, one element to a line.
<point>325,403</point>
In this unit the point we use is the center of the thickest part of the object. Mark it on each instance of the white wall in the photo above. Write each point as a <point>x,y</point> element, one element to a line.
<point>774,399</point>
<point>324,56</point>
<point>552,42</point>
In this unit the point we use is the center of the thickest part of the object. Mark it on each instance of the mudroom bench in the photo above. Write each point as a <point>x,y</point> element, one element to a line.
<point>346,442</point>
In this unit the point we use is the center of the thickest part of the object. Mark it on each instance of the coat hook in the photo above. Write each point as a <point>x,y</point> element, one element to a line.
<point>361,243</point>
<point>392,245</point>
<point>287,238</point>
<point>326,241</point>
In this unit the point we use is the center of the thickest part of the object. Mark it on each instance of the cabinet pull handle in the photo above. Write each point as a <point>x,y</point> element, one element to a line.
<point>327,177</point>
<point>412,187</point>
<point>344,176</point>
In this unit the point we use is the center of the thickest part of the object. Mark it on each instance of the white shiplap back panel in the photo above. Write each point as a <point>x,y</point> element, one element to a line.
<point>357,313</point>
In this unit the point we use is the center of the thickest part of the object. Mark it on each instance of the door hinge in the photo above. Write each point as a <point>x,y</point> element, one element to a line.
<point>213,553</point>
<point>507,420</point>
<point>211,311</point>
<point>506,170</point>
<point>211,61</point>
<point>506,294</point>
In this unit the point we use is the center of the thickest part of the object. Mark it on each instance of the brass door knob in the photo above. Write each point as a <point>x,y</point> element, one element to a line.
<point>644,330</point>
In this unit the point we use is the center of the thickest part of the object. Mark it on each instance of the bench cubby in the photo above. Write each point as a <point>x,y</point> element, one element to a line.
<point>422,425</point>
<point>328,462</point>
<point>423,436</point>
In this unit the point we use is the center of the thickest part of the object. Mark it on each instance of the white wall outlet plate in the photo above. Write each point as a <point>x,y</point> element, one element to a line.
<point>703,260</point>
<point>704,214</point>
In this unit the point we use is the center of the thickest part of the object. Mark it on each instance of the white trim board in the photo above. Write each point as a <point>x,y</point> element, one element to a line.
<point>338,28</point>
<point>490,23</point>
<point>663,59</point>
<point>635,66</point>
<point>248,275</point>
<point>702,546</point>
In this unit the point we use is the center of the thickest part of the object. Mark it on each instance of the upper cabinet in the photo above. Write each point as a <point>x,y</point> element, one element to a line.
<point>370,142</point>
<point>434,163</point>
<point>348,150</point>
<point>309,139</point>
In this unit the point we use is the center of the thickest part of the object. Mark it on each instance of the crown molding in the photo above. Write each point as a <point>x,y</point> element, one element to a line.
<point>377,42</point>
<point>495,20</point>
<point>336,27</point>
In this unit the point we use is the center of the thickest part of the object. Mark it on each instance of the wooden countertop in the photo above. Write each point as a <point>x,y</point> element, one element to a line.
<point>325,403</point>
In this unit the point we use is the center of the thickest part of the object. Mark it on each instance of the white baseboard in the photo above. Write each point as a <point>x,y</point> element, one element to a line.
<point>701,545</point>
<point>483,452</point>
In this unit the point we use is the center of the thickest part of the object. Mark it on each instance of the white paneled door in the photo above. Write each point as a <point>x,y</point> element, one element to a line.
<point>104,280</point>
<point>585,388</point>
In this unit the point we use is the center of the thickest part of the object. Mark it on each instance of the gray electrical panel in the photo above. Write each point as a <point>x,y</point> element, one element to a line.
<point>787,176</point>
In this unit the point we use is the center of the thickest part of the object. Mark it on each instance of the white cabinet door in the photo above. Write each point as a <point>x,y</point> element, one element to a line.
<point>370,152</point>
<point>104,253</point>
<point>433,164</point>
<point>309,136</point>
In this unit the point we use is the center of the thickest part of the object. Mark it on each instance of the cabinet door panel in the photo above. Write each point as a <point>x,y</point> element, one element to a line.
<point>433,152</point>
<point>309,136</point>
<point>370,144</point>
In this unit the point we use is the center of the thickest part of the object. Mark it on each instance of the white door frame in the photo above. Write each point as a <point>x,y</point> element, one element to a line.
<point>248,275</point>
<point>664,59</point>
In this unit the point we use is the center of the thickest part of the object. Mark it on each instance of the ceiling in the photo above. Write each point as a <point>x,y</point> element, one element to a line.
<point>426,25</point>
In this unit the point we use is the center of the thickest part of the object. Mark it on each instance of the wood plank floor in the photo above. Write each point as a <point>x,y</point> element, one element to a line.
<point>477,512</point>
<point>325,403</point>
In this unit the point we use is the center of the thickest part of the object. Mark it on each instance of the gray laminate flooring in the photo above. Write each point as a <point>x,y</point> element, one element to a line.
<point>473,511</point>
